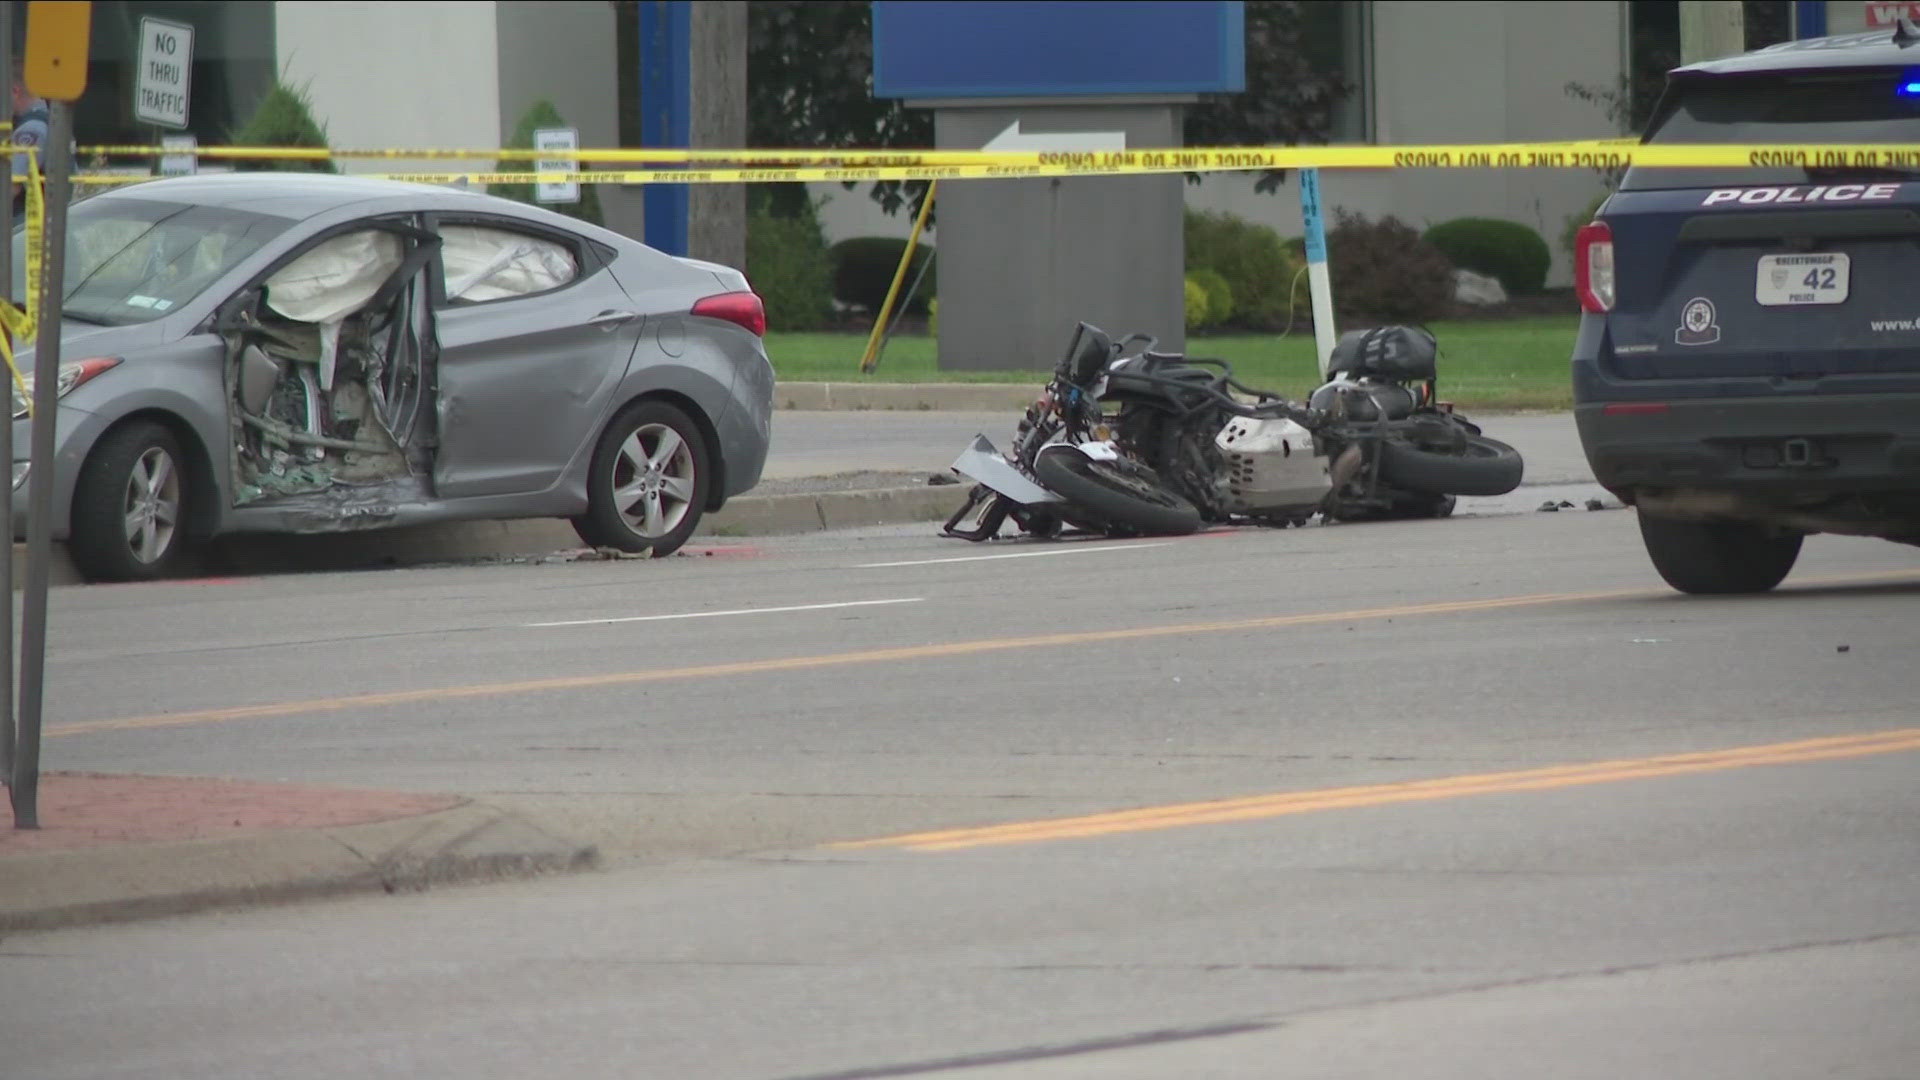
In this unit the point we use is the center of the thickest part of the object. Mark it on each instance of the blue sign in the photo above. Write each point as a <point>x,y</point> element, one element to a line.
<point>935,49</point>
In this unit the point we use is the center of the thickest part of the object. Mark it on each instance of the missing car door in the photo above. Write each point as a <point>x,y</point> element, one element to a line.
<point>329,377</point>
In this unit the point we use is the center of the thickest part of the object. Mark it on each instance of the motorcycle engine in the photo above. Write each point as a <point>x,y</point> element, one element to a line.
<point>1272,466</point>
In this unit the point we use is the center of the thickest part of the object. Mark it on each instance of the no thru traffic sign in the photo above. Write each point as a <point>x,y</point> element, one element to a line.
<point>166,63</point>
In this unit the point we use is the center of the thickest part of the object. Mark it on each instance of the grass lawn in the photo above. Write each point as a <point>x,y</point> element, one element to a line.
<point>1505,364</point>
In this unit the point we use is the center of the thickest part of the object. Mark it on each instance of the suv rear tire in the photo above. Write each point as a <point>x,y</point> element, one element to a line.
<point>1718,557</point>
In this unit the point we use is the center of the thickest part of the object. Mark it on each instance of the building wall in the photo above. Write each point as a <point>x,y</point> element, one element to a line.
<point>1846,17</point>
<point>455,74</point>
<point>395,74</point>
<point>1464,71</point>
<point>565,51</point>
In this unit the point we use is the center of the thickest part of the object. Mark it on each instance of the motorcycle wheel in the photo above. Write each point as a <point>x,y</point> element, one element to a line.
<point>1481,466</point>
<point>1115,495</point>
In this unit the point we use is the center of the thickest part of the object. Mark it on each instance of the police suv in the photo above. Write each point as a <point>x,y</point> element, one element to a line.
<point>1747,370</point>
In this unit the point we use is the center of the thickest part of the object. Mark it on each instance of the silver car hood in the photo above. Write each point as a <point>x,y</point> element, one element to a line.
<point>80,341</point>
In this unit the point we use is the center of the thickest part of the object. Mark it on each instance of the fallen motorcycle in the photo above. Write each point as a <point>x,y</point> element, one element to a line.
<point>1129,441</point>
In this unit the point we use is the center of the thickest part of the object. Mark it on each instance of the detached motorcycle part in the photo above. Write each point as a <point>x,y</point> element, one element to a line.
<point>986,508</point>
<point>982,464</point>
<point>1114,493</point>
<point>1481,466</point>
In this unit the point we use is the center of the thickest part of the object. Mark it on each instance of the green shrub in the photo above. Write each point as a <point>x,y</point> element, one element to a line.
<point>788,266</point>
<point>1252,260</point>
<point>1219,294</point>
<point>1579,221</point>
<point>863,269</point>
<point>283,118</point>
<point>1506,250</point>
<point>1383,271</point>
<point>542,114</point>
<point>1199,305</point>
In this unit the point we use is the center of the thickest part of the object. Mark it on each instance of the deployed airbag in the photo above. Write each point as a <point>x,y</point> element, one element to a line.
<point>492,264</point>
<point>336,278</point>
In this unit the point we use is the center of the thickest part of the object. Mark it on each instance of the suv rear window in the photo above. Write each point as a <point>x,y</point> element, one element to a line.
<point>1855,106</point>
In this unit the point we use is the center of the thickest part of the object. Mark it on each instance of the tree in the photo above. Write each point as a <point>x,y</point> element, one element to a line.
<point>284,117</point>
<point>810,86</point>
<point>1654,50</point>
<point>1293,84</point>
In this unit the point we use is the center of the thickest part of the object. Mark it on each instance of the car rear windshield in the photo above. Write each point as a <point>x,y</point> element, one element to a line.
<point>134,260</point>
<point>1854,106</point>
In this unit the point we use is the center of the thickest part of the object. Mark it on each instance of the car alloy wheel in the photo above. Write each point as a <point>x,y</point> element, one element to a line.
<point>649,483</point>
<point>654,480</point>
<point>130,504</point>
<point>153,505</point>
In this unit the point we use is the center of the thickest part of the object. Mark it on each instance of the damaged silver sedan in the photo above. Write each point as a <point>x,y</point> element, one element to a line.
<point>310,354</point>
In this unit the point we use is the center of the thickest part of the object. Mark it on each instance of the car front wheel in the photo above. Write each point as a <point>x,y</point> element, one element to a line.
<point>1718,557</point>
<point>649,483</point>
<point>129,506</point>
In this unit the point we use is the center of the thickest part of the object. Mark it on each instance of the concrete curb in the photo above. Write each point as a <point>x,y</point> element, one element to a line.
<point>748,515</point>
<point>465,844</point>
<point>907,397</point>
<point>778,515</point>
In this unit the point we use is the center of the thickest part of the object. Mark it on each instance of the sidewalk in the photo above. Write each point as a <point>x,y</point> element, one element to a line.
<point>133,847</point>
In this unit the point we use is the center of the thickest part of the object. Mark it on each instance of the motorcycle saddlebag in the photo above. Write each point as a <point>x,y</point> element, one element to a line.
<point>1385,352</point>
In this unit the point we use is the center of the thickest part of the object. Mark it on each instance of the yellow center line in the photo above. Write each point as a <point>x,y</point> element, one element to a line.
<point>1258,807</point>
<point>946,650</point>
<point>803,663</point>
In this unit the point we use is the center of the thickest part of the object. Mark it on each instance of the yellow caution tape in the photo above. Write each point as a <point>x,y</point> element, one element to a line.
<point>1578,153</point>
<point>808,166</point>
<point>19,322</point>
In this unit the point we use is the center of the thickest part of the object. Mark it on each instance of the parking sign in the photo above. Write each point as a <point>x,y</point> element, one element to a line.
<point>557,147</point>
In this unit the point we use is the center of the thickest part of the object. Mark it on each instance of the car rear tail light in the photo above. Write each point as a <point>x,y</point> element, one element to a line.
<point>1593,268</point>
<point>740,308</point>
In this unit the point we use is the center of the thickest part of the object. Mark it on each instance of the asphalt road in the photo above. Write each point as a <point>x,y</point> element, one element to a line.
<point>1498,805</point>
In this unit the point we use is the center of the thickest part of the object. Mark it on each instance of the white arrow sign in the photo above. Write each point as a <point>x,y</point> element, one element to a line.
<point>1013,140</point>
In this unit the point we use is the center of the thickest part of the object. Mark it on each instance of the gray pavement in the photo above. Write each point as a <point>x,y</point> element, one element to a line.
<point>831,470</point>
<point>1753,918</point>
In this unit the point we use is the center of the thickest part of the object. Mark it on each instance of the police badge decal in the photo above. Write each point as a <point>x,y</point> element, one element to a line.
<point>1698,323</point>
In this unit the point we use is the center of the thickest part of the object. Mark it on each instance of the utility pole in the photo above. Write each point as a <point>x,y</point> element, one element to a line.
<point>1711,29</point>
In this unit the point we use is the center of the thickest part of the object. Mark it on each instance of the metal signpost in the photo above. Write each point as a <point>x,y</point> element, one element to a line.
<point>56,69</point>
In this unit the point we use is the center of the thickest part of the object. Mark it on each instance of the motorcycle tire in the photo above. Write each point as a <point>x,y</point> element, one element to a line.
<point>1483,467</point>
<point>1114,495</point>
